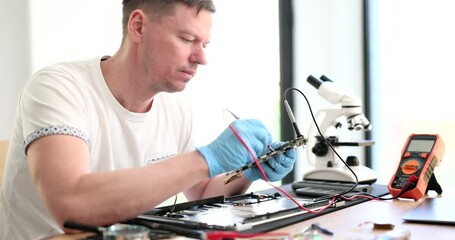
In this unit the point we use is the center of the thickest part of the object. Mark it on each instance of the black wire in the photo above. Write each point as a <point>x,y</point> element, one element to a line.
<point>405,188</point>
<point>173,206</point>
<point>330,145</point>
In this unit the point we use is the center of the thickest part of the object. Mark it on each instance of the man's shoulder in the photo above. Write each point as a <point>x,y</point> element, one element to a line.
<point>71,72</point>
<point>72,66</point>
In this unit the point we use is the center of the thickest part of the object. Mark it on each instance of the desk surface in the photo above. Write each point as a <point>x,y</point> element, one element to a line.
<point>345,222</point>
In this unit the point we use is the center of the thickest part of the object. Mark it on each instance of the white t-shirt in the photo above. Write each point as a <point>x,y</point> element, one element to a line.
<point>73,99</point>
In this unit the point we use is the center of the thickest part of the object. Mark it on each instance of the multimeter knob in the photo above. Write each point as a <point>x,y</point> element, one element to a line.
<point>411,166</point>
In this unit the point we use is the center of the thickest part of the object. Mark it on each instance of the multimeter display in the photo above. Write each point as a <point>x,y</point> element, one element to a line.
<point>420,145</point>
<point>420,156</point>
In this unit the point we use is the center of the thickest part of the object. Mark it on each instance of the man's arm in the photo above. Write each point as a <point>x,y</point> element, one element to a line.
<point>60,168</point>
<point>216,187</point>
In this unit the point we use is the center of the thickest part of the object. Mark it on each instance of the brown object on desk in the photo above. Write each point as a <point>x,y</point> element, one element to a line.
<point>3,151</point>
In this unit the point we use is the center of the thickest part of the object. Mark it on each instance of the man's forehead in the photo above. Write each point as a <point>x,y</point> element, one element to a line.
<point>190,21</point>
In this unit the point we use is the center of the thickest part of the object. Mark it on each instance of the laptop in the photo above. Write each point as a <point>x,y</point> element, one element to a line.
<point>438,210</point>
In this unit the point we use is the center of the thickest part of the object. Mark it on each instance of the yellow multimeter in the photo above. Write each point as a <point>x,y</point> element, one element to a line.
<point>419,157</point>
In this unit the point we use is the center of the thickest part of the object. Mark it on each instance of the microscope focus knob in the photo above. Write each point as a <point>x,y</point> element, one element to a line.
<point>320,149</point>
<point>352,161</point>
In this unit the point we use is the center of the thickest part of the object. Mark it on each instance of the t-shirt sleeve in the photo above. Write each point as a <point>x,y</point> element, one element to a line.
<point>51,102</point>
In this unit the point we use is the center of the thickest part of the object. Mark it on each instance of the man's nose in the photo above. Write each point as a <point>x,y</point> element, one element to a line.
<point>198,56</point>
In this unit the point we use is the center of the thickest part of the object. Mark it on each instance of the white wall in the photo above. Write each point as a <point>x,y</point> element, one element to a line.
<point>412,80</point>
<point>14,59</point>
<point>327,40</point>
<point>243,70</point>
<point>73,30</point>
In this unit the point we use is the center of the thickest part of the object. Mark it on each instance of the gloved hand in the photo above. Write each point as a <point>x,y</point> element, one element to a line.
<point>275,168</point>
<point>227,153</point>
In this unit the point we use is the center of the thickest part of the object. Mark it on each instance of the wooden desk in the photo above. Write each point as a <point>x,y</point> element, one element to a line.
<point>345,222</point>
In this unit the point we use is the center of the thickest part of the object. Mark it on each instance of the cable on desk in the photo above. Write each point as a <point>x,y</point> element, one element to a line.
<point>410,184</point>
<point>258,165</point>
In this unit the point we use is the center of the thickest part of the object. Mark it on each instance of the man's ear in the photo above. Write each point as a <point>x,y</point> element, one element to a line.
<point>136,25</point>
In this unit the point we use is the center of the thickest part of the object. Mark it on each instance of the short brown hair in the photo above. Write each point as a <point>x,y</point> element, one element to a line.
<point>161,8</point>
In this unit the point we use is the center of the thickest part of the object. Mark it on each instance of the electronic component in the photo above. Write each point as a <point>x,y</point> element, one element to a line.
<point>419,157</point>
<point>243,213</point>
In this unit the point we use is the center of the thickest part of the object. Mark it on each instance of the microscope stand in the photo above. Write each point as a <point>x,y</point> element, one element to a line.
<point>342,174</point>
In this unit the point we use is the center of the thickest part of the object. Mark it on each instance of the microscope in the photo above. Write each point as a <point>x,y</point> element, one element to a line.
<point>320,154</point>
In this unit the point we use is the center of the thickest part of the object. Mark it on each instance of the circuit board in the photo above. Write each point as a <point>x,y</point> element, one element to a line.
<point>240,213</point>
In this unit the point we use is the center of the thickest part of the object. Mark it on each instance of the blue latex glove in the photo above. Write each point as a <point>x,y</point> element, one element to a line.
<point>275,168</point>
<point>227,153</point>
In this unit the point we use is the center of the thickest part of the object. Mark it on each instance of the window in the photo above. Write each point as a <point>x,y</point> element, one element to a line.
<point>328,41</point>
<point>412,66</point>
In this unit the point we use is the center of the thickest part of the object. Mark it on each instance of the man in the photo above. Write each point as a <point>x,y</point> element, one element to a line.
<point>103,140</point>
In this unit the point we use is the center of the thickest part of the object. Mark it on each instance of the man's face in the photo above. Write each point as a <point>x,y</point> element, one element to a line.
<point>173,47</point>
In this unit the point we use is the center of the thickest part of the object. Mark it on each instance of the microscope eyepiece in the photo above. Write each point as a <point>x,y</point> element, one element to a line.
<point>314,81</point>
<point>325,79</point>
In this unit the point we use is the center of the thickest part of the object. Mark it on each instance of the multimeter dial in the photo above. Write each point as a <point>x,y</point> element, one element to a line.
<point>411,166</point>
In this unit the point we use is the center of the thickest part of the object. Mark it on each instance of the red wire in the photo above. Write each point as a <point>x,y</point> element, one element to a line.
<point>267,180</point>
<point>250,152</point>
<point>218,235</point>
